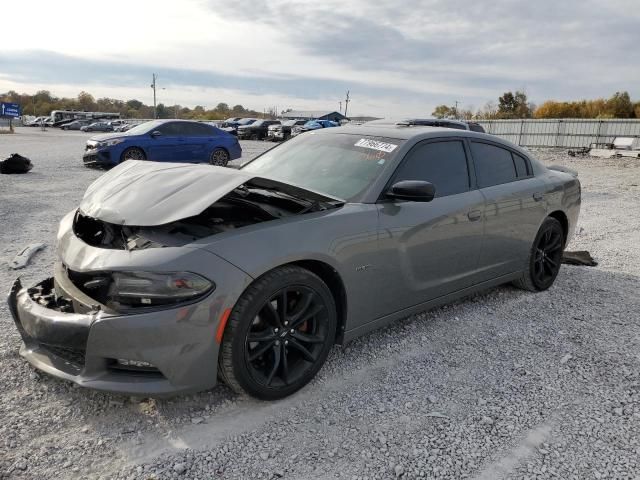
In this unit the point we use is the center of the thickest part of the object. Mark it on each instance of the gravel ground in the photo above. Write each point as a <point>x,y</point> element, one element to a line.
<point>506,384</point>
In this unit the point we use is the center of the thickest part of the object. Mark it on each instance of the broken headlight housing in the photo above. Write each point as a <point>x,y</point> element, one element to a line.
<point>151,289</point>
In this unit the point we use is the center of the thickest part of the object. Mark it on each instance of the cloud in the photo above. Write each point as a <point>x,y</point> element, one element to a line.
<point>393,57</point>
<point>65,69</point>
<point>548,46</point>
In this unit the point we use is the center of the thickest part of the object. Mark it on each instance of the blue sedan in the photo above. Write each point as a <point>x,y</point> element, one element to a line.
<point>164,141</point>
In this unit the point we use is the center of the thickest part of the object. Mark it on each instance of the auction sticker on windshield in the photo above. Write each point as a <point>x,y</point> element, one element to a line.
<point>375,145</point>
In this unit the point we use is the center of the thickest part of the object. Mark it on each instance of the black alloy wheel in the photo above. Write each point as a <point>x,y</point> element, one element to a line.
<point>286,337</point>
<point>548,256</point>
<point>219,157</point>
<point>279,334</point>
<point>545,257</point>
<point>133,153</point>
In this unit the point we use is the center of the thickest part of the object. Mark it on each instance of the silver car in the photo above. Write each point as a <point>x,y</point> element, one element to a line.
<point>171,276</point>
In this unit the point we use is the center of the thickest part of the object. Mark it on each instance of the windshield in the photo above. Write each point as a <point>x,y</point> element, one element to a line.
<point>145,127</point>
<point>246,121</point>
<point>257,123</point>
<point>339,165</point>
<point>289,123</point>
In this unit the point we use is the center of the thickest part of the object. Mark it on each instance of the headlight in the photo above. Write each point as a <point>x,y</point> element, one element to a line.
<point>109,143</point>
<point>148,289</point>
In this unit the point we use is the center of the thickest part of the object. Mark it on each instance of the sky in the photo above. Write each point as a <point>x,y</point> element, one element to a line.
<point>395,57</point>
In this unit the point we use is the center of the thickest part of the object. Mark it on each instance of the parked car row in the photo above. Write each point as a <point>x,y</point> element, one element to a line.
<point>39,122</point>
<point>257,130</point>
<point>282,131</point>
<point>313,125</point>
<point>272,130</point>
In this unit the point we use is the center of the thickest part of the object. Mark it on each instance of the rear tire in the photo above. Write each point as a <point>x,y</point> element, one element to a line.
<point>133,153</point>
<point>279,334</point>
<point>545,257</point>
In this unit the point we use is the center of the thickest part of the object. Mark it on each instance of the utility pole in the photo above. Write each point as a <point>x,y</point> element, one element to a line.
<point>153,85</point>
<point>346,104</point>
<point>455,110</point>
<point>340,102</point>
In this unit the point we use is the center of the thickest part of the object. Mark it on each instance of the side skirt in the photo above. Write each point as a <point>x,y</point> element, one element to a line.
<point>421,307</point>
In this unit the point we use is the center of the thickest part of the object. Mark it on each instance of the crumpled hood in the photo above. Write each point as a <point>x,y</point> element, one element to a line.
<point>143,193</point>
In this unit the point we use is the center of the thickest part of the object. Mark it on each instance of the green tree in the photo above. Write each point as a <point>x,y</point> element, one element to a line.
<point>86,101</point>
<point>443,111</point>
<point>134,104</point>
<point>239,110</point>
<point>619,105</point>
<point>162,111</point>
<point>512,105</point>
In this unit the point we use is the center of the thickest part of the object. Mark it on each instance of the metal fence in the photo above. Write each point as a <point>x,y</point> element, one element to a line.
<point>562,133</point>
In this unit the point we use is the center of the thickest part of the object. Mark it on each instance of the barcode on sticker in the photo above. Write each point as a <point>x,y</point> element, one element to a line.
<point>375,145</point>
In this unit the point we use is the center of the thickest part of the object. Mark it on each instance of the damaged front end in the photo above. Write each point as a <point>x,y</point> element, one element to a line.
<point>134,303</point>
<point>255,201</point>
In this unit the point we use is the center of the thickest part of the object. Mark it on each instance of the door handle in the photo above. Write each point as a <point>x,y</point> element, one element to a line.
<point>474,215</point>
<point>537,196</point>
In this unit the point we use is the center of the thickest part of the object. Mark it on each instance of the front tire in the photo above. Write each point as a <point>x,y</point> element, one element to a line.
<point>219,157</point>
<point>545,257</point>
<point>279,334</point>
<point>132,153</point>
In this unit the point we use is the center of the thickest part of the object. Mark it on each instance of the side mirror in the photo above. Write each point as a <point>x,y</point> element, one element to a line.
<point>413,190</point>
<point>156,133</point>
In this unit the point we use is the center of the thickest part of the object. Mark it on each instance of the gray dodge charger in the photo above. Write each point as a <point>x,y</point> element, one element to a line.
<point>170,276</point>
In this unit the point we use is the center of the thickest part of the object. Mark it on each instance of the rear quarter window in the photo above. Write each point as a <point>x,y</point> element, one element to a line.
<point>494,165</point>
<point>522,165</point>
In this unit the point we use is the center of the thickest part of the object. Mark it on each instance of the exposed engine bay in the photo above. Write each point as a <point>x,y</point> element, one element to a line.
<point>246,205</point>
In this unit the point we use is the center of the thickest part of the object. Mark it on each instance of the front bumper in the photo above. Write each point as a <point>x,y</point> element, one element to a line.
<point>69,336</point>
<point>276,136</point>
<point>98,158</point>
<point>84,348</point>
<point>247,134</point>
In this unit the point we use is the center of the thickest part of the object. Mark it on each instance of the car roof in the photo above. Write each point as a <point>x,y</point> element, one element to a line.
<point>417,133</point>
<point>406,120</point>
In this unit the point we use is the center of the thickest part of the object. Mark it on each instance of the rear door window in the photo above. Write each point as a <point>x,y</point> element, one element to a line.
<point>170,129</point>
<point>197,129</point>
<point>494,165</point>
<point>444,164</point>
